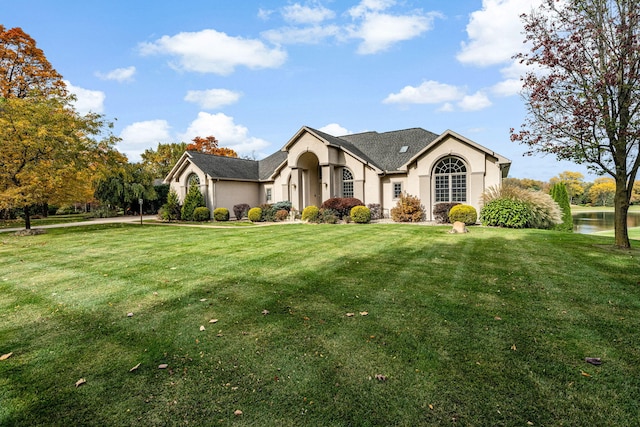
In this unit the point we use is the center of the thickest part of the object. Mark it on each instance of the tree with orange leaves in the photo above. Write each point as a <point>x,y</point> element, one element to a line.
<point>48,150</point>
<point>209,145</point>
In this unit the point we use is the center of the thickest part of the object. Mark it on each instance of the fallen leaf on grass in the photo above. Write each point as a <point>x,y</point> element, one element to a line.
<point>6,356</point>
<point>203,299</point>
<point>135,368</point>
<point>584,374</point>
<point>430,406</point>
<point>381,377</point>
<point>350,314</point>
<point>513,347</point>
<point>265,312</point>
<point>163,366</point>
<point>201,328</point>
<point>129,314</point>
<point>237,412</point>
<point>213,321</point>
<point>80,382</point>
<point>364,313</point>
<point>593,360</point>
<point>497,318</point>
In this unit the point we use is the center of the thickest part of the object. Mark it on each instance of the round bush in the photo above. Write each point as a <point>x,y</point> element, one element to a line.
<point>221,214</point>
<point>281,215</point>
<point>360,214</point>
<point>310,213</point>
<point>254,214</point>
<point>463,213</point>
<point>201,214</point>
<point>506,213</point>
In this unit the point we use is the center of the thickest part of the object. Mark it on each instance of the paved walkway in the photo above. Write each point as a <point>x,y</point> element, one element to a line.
<point>94,221</point>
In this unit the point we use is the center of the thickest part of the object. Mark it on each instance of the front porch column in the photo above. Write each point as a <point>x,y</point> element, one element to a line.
<point>296,189</point>
<point>328,182</point>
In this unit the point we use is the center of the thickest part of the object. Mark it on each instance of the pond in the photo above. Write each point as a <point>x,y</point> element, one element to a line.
<point>592,222</point>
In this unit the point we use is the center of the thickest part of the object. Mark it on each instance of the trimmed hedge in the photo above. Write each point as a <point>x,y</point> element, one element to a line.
<point>221,214</point>
<point>201,214</point>
<point>507,213</point>
<point>341,205</point>
<point>463,213</point>
<point>310,213</point>
<point>254,214</point>
<point>360,214</point>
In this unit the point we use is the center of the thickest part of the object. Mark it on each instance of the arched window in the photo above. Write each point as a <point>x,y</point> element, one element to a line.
<point>451,180</point>
<point>347,183</point>
<point>193,180</point>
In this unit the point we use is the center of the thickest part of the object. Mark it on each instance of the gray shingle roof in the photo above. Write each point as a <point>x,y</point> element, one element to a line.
<point>268,165</point>
<point>226,167</point>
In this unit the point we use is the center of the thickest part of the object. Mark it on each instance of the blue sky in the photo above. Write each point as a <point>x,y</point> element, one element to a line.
<point>252,73</point>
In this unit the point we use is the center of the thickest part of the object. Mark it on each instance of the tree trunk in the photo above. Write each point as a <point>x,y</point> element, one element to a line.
<point>621,205</point>
<point>27,218</point>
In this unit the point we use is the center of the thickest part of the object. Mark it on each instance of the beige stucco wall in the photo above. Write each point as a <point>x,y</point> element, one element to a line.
<point>227,194</point>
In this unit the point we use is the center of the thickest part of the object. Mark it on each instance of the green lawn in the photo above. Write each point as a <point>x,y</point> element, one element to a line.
<point>488,328</point>
<point>36,222</point>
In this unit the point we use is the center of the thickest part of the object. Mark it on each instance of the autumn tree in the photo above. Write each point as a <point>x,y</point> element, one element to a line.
<point>46,145</point>
<point>574,181</point>
<point>122,186</point>
<point>582,98</point>
<point>602,191</point>
<point>209,145</point>
<point>160,161</point>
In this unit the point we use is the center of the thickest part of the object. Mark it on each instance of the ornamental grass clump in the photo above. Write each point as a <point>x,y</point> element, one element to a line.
<point>516,207</point>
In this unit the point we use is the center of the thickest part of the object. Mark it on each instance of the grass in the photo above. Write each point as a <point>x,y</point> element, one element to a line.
<point>486,328</point>
<point>35,222</point>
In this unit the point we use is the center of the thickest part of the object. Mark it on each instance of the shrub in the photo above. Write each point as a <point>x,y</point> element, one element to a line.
<point>561,196</point>
<point>463,213</point>
<point>268,213</point>
<point>376,210</point>
<point>281,215</point>
<point>194,199</point>
<point>285,204</point>
<point>254,214</point>
<point>544,212</point>
<point>341,205</point>
<point>408,209</point>
<point>310,214</point>
<point>441,211</point>
<point>240,210</point>
<point>221,214</point>
<point>505,212</point>
<point>328,216</point>
<point>201,214</point>
<point>171,209</point>
<point>360,214</point>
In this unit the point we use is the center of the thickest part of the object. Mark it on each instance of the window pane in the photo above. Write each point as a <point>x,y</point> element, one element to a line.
<point>397,190</point>
<point>347,183</point>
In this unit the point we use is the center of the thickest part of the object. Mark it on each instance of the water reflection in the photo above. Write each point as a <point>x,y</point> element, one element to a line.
<point>592,222</point>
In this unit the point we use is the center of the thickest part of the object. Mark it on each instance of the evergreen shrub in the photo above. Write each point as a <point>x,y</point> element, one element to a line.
<point>201,214</point>
<point>254,214</point>
<point>171,209</point>
<point>310,214</point>
<point>408,209</point>
<point>194,199</point>
<point>561,197</point>
<point>360,214</point>
<point>463,213</point>
<point>221,214</point>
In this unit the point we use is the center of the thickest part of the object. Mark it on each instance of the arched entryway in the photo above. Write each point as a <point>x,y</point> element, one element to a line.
<point>309,180</point>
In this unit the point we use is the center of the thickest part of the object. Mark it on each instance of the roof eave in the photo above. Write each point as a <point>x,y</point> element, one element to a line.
<point>177,167</point>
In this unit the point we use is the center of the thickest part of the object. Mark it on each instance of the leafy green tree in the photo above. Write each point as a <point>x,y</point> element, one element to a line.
<point>194,199</point>
<point>584,105</point>
<point>561,197</point>
<point>124,185</point>
<point>159,162</point>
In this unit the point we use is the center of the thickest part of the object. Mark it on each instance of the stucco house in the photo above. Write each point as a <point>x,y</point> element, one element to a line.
<point>314,166</point>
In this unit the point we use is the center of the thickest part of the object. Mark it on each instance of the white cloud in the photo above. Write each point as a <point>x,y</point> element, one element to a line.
<point>495,32</point>
<point>380,31</point>
<point>227,132</point>
<point>212,98</point>
<point>210,51</point>
<point>119,74</point>
<point>86,100</point>
<point>475,102</point>
<point>429,92</point>
<point>305,35</point>
<point>298,14</point>
<point>335,129</point>
<point>142,135</point>
<point>368,6</point>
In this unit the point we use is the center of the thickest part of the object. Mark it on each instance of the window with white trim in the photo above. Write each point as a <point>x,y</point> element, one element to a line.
<point>193,180</point>
<point>397,190</point>
<point>268,195</point>
<point>450,180</point>
<point>347,183</point>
